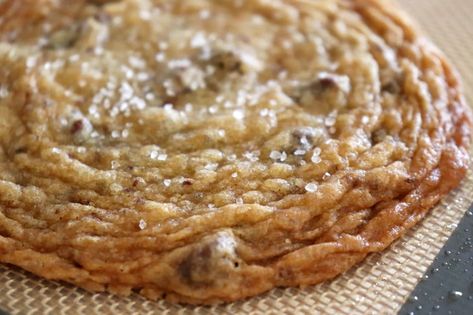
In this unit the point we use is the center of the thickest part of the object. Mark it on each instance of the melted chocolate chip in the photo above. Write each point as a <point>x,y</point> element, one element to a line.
<point>316,88</point>
<point>21,150</point>
<point>187,182</point>
<point>324,83</point>
<point>378,136</point>
<point>77,126</point>
<point>195,265</point>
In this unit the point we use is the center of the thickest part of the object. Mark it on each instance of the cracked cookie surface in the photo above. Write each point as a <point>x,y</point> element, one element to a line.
<point>206,151</point>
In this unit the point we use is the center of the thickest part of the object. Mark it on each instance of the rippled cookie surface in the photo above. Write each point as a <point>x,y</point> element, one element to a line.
<point>206,151</point>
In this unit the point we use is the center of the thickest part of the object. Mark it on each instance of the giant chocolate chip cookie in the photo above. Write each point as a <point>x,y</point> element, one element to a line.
<point>210,150</point>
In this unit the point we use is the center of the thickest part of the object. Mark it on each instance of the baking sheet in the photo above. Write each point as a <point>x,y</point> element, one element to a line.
<point>447,286</point>
<point>380,285</point>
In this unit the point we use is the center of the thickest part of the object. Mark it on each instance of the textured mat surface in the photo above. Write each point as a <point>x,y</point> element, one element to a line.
<point>380,285</point>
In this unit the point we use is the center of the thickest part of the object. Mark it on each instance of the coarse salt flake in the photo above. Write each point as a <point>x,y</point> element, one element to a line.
<point>142,224</point>
<point>311,187</point>
<point>238,114</point>
<point>278,156</point>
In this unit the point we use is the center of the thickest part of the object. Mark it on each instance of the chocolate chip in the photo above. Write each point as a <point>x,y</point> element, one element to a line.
<point>391,87</point>
<point>77,126</point>
<point>378,136</point>
<point>325,83</point>
<point>187,182</point>
<point>195,265</point>
<point>316,88</point>
<point>21,150</point>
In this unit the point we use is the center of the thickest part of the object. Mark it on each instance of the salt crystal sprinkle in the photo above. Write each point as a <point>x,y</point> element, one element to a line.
<point>162,157</point>
<point>204,14</point>
<point>142,225</point>
<point>213,109</point>
<point>145,15</point>
<point>316,156</point>
<point>311,187</point>
<point>198,40</point>
<point>3,92</point>
<point>167,182</point>
<point>238,114</point>
<point>299,152</point>
<point>316,159</point>
<point>251,156</point>
<point>330,121</point>
<point>179,63</point>
<point>160,57</point>
<point>136,62</point>
<point>211,166</point>
<point>30,62</point>
<point>154,155</point>
<point>278,156</point>
<point>168,107</point>
<point>283,156</point>
<point>116,134</point>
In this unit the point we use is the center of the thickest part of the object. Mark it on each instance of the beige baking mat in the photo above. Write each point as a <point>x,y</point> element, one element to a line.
<point>380,285</point>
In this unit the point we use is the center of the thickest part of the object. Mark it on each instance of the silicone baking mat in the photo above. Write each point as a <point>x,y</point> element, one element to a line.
<point>379,285</point>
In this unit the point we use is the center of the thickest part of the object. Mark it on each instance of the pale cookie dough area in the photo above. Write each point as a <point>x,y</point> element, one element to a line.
<point>206,151</point>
